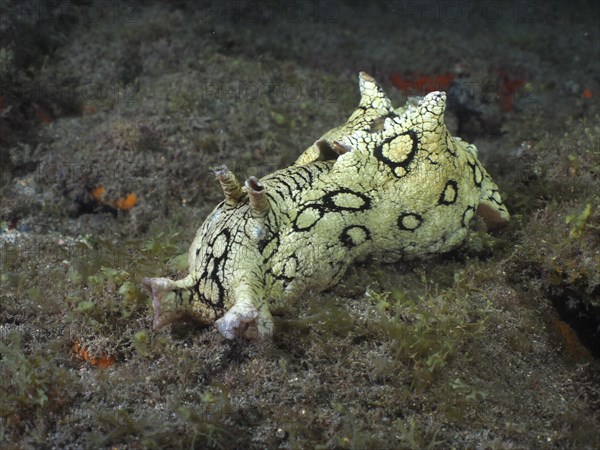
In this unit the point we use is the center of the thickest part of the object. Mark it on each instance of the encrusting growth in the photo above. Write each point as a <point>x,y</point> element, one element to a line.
<point>389,184</point>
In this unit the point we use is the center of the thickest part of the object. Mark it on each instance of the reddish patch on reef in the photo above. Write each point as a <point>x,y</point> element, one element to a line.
<point>421,84</point>
<point>101,361</point>
<point>570,341</point>
<point>510,88</point>
<point>126,203</point>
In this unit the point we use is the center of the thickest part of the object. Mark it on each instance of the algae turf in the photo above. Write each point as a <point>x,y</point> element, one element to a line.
<point>484,347</point>
<point>558,250</point>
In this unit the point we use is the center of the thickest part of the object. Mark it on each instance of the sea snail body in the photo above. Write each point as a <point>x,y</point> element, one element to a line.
<point>389,184</point>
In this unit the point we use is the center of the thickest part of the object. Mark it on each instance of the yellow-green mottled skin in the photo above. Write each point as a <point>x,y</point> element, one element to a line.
<point>388,184</point>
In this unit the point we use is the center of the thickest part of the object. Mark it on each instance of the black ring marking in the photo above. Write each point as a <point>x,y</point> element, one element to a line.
<point>330,205</point>
<point>378,152</point>
<point>477,172</point>
<point>347,239</point>
<point>327,204</point>
<point>404,221</point>
<point>450,194</point>
<point>465,217</point>
<point>320,211</point>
